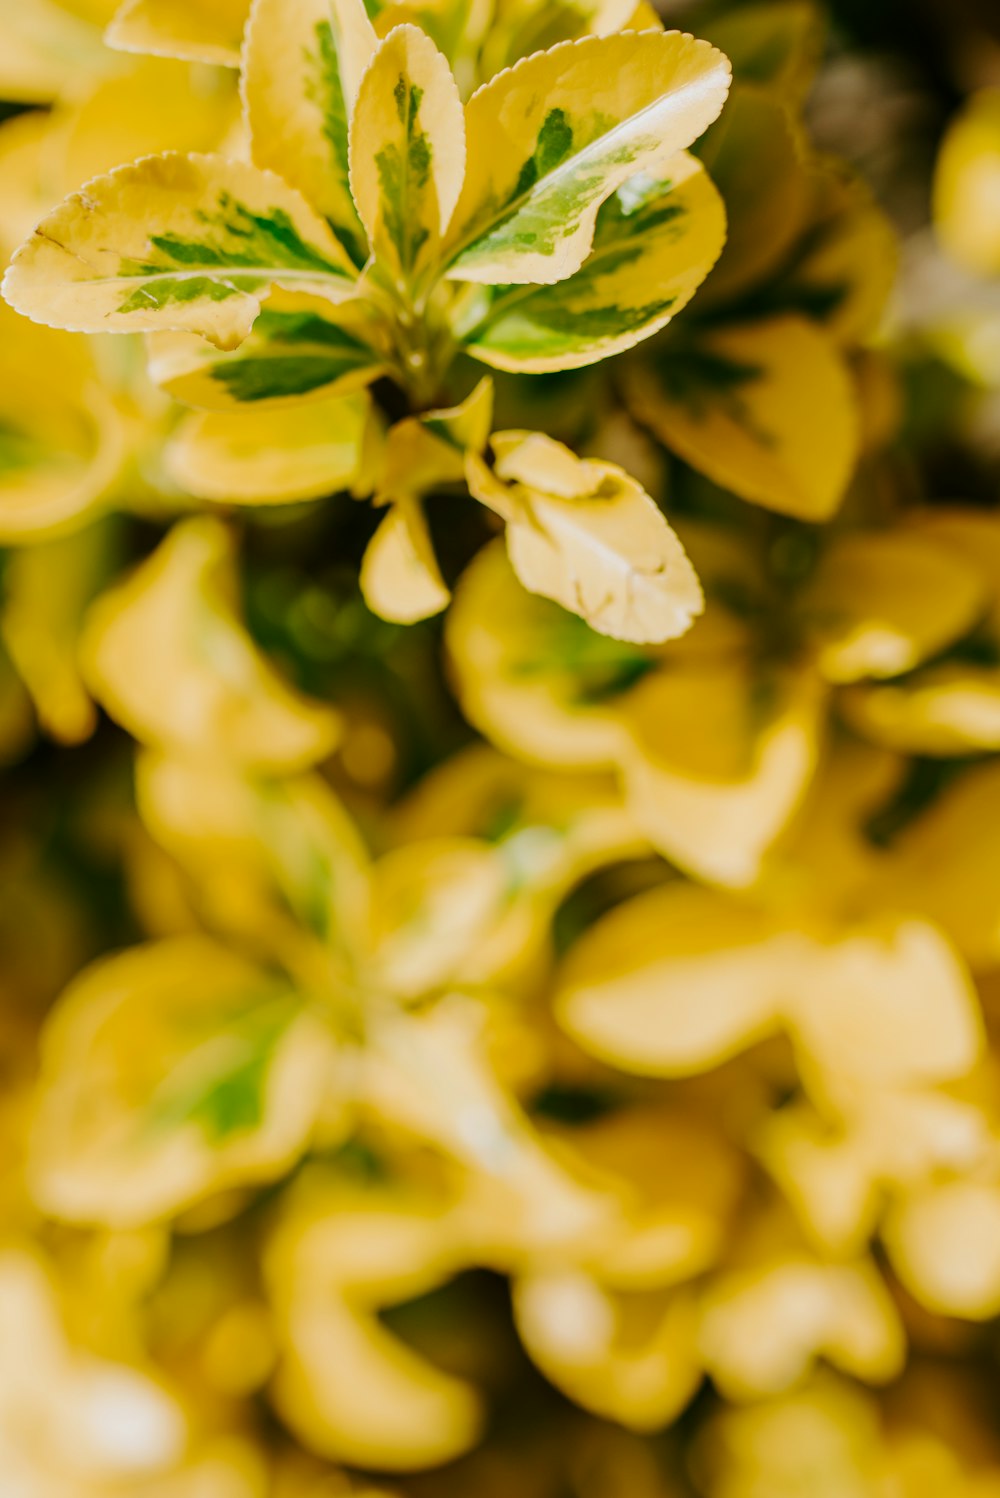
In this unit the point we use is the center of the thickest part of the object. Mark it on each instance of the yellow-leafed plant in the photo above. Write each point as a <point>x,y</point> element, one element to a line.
<point>380,228</point>
<point>499,715</point>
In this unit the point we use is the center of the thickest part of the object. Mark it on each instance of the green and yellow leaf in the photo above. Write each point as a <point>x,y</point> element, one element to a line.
<point>407,151</point>
<point>198,30</point>
<point>553,137</point>
<point>300,346</point>
<point>174,242</point>
<point>171,1072</point>
<point>534,679</point>
<point>656,239</point>
<point>257,850</point>
<point>765,409</point>
<point>167,655</point>
<point>588,536</point>
<point>302,68</point>
<point>277,456</point>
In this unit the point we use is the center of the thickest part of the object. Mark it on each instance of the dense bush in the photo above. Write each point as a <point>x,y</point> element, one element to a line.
<point>500,706</point>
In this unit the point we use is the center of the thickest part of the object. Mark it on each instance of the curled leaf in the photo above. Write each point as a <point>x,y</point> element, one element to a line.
<point>588,536</point>
<point>166,653</point>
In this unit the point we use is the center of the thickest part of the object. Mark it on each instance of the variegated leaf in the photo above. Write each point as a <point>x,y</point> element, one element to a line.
<point>765,409</point>
<point>174,241</point>
<point>171,1072</point>
<point>303,63</point>
<point>550,139</point>
<point>299,346</point>
<point>199,30</point>
<point>656,239</point>
<point>407,151</point>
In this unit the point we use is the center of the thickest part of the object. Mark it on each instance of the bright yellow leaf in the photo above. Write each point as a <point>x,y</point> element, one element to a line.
<point>400,577</point>
<point>301,73</point>
<point>199,30</point>
<point>879,602</point>
<point>765,409</point>
<point>627,1357</point>
<point>588,536</point>
<point>967,185</point>
<point>276,456</point>
<point>166,653</point>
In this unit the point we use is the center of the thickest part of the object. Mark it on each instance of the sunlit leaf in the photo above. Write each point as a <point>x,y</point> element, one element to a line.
<point>628,1357</point>
<point>552,138</point>
<point>586,535</point>
<point>943,1243</point>
<point>966,185</point>
<point>407,151</point>
<point>400,577</point>
<point>300,346</point>
<point>44,48</point>
<point>166,653</point>
<point>717,761</point>
<point>259,849</point>
<point>62,436</point>
<point>347,1386</point>
<point>302,69</point>
<point>182,242</point>
<point>655,240</point>
<point>880,602</point>
<point>46,591</point>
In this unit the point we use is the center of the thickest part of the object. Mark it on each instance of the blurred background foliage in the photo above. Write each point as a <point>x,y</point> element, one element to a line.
<point>639,1133</point>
